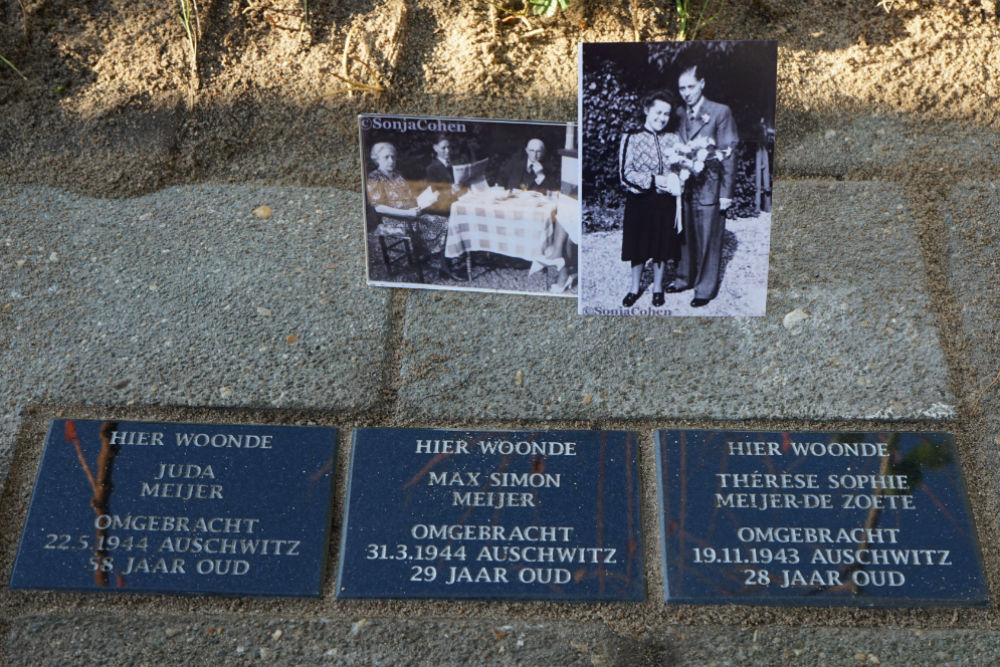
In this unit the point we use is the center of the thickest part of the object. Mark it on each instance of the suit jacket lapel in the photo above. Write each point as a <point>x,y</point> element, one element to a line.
<point>693,129</point>
<point>699,125</point>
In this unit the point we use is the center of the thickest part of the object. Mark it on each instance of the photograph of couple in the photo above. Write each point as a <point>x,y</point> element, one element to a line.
<point>676,152</point>
<point>471,204</point>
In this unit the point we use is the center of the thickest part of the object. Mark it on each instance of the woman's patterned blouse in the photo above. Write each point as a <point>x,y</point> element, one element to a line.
<point>389,190</point>
<point>641,156</point>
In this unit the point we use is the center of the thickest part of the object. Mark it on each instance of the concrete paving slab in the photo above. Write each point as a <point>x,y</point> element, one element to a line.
<point>231,640</point>
<point>843,143</point>
<point>185,297</point>
<point>970,216</point>
<point>10,422</point>
<point>844,253</point>
<point>879,143</point>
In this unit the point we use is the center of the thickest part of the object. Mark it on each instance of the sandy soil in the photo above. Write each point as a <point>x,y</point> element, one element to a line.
<point>113,103</point>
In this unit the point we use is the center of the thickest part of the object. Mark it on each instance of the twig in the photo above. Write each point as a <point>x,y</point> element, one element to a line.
<point>511,12</point>
<point>197,17</point>
<point>357,85</point>
<point>102,492</point>
<point>370,78</point>
<point>874,516</point>
<point>105,459</point>
<point>24,19</point>
<point>975,404</point>
<point>382,84</point>
<point>347,47</point>
<point>73,438</point>
<point>634,11</point>
<point>354,85</point>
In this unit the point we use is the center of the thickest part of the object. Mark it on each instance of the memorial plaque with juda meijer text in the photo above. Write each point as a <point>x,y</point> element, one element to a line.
<point>179,508</point>
<point>863,519</point>
<point>550,515</point>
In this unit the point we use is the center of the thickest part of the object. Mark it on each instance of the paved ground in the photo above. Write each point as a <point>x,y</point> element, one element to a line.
<point>184,305</point>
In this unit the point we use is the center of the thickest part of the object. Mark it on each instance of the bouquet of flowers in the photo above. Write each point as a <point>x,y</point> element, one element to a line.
<point>689,159</point>
<point>686,160</point>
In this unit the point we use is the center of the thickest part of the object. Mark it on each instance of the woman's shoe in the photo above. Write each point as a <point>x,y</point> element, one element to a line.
<point>559,288</point>
<point>630,299</point>
<point>658,299</point>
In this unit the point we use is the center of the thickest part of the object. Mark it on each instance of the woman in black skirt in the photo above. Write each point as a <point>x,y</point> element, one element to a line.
<point>648,229</point>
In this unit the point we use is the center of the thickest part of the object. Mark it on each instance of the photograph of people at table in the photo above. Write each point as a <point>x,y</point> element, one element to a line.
<point>471,204</point>
<point>676,150</point>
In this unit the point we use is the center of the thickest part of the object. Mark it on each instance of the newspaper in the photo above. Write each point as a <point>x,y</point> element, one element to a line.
<point>472,174</point>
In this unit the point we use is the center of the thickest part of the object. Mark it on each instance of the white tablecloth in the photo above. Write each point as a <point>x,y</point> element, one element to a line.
<point>519,225</point>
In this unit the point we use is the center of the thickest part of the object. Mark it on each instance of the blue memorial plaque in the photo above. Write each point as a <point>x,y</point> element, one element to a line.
<point>550,515</point>
<point>179,508</point>
<point>863,519</point>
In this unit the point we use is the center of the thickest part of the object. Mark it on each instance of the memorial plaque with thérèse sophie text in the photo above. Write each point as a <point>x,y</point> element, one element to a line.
<point>864,519</point>
<point>179,508</point>
<point>492,514</point>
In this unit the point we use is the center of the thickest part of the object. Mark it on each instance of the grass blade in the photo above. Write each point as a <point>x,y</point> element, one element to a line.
<point>11,65</point>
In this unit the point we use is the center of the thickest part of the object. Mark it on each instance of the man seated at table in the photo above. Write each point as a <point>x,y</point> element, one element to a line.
<point>440,177</point>
<point>533,172</point>
<point>530,171</point>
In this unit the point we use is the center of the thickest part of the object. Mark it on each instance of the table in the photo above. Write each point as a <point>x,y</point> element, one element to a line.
<point>518,224</point>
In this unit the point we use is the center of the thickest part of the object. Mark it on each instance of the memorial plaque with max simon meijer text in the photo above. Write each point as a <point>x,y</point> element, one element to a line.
<point>186,508</point>
<point>865,519</point>
<point>492,514</point>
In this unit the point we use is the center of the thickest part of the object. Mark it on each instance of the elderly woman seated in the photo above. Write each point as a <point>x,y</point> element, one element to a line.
<point>399,213</point>
<point>388,192</point>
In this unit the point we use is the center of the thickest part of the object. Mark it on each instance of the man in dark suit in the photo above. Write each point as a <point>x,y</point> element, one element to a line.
<point>439,175</point>
<point>706,194</point>
<point>531,171</point>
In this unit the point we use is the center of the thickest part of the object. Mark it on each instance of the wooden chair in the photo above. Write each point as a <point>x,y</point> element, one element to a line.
<point>400,242</point>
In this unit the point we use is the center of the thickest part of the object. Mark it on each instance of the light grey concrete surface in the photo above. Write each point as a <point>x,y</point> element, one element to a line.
<point>838,144</point>
<point>229,639</point>
<point>10,422</point>
<point>844,253</point>
<point>185,297</point>
<point>973,228</point>
<point>877,144</point>
<point>234,640</point>
<point>971,220</point>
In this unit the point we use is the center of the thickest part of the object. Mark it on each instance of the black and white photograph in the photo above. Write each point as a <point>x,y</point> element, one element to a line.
<point>471,204</point>
<point>676,151</point>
